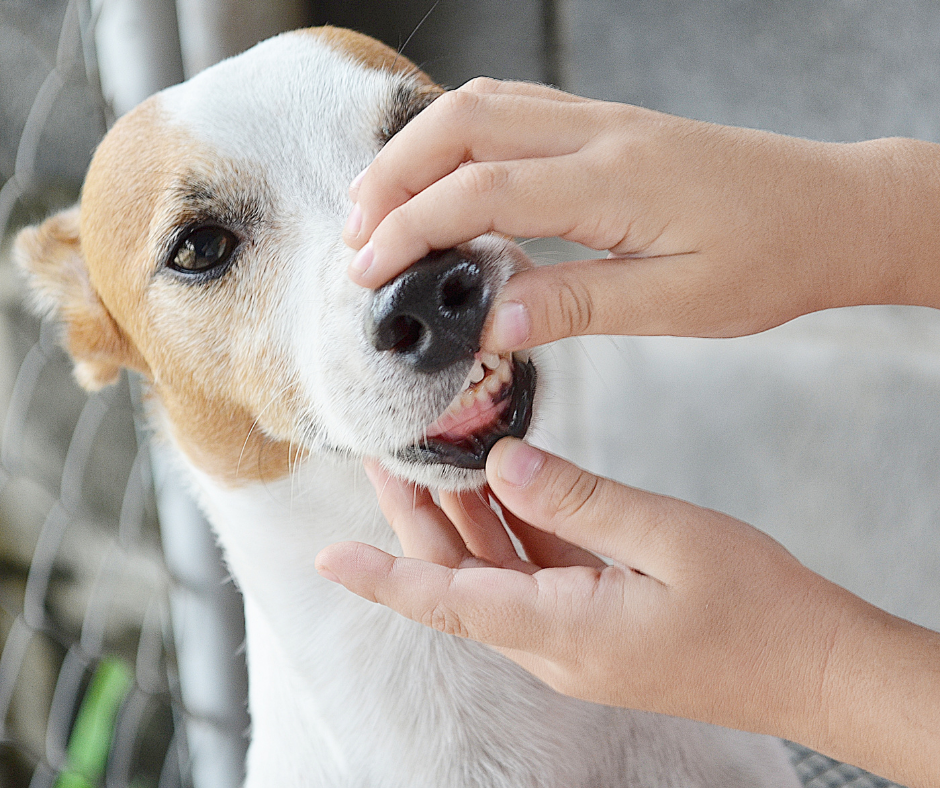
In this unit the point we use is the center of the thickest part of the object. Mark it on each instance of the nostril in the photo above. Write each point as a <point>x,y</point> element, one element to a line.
<point>403,333</point>
<point>459,291</point>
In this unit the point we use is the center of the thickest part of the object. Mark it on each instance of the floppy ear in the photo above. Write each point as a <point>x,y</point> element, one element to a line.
<point>51,256</point>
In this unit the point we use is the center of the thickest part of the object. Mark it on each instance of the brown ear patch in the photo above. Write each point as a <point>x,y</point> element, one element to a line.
<point>51,256</point>
<point>375,55</point>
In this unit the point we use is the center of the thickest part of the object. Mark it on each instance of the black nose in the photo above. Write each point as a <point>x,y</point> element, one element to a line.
<point>433,313</point>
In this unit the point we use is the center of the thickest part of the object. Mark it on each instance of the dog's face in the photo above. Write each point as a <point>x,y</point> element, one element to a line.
<point>207,255</point>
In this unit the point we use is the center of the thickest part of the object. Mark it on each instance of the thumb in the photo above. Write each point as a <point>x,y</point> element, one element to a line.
<point>645,296</point>
<point>577,298</point>
<point>573,504</point>
<point>540,305</point>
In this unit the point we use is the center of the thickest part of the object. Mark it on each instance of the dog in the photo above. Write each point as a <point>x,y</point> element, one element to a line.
<point>206,256</point>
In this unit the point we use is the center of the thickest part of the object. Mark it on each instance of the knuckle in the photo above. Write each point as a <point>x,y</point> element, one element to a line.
<point>572,492</point>
<point>400,223</point>
<point>483,85</point>
<point>574,312</point>
<point>446,620</point>
<point>458,107</point>
<point>482,179</point>
<point>443,617</point>
<point>400,234</point>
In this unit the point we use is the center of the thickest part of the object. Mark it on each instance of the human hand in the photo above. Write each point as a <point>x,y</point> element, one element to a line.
<point>694,607</point>
<point>697,615</point>
<point>713,230</point>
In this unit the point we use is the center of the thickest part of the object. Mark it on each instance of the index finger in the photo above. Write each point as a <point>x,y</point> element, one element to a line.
<point>460,127</point>
<point>477,121</point>
<point>504,608</point>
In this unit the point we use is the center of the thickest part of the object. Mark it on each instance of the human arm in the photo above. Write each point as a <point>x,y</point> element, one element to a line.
<point>714,230</point>
<point>699,615</point>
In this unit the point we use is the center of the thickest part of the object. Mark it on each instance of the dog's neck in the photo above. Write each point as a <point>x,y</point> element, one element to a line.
<point>347,694</point>
<point>305,635</point>
<point>341,688</point>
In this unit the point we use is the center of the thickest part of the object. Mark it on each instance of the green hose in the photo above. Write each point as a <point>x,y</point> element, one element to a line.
<point>93,731</point>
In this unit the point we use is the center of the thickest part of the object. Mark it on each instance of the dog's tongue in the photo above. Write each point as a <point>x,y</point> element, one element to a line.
<point>497,405</point>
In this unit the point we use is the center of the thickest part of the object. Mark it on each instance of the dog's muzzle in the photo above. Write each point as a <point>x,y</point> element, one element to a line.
<point>432,316</point>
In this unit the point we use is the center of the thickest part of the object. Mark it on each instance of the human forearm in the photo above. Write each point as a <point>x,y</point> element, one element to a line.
<point>894,240</point>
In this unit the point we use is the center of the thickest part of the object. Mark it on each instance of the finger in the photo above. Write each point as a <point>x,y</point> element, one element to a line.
<point>501,607</point>
<point>486,85</point>
<point>677,294</point>
<point>462,126</point>
<point>481,86</point>
<point>544,304</point>
<point>517,197</point>
<point>422,528</point>
<point>481,529</point>
<point>635,528</point>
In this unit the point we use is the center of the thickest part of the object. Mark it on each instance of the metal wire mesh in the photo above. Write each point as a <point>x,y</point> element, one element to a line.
<point>83,587</point>
<point>817,771</point>
<point>85,593</point>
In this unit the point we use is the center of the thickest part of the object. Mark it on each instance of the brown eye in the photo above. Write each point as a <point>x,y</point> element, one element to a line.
<point>205,250</point>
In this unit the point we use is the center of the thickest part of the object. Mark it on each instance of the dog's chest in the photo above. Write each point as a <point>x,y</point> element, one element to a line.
<point>348,693</point>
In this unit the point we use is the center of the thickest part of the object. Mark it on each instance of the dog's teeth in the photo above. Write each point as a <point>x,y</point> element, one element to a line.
<point>493,384</point>
<point>475,375</point>
<point>490,360</point>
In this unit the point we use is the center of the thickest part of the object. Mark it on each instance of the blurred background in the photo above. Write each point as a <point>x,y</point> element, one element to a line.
<point>120,633</point>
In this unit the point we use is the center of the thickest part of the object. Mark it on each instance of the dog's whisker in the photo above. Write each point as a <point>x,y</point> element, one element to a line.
<point>404,46</point>
<point>256,424</point>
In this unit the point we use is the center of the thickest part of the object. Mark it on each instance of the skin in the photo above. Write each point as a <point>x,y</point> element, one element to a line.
<point>712,231</point>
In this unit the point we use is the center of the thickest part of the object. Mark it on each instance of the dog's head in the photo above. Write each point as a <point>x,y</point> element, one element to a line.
<point>206,254</point>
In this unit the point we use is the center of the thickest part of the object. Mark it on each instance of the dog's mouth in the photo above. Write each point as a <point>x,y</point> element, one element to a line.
<point>494,402</point>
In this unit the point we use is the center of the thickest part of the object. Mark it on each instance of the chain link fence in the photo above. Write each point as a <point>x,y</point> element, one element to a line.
<point>119,661</point>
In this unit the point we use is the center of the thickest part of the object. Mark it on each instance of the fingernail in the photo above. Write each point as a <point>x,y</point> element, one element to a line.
<point>511,325</point>
<point>519,463</point>
<point>353,222</point>
<point>363,260</point>
<point>356,183</point>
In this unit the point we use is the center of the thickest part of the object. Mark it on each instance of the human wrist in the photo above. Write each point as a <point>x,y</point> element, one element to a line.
<point>888,247</point>
<point>877,700</point>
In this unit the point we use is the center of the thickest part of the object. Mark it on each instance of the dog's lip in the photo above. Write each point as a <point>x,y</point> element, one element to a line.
<point>471,451</point>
